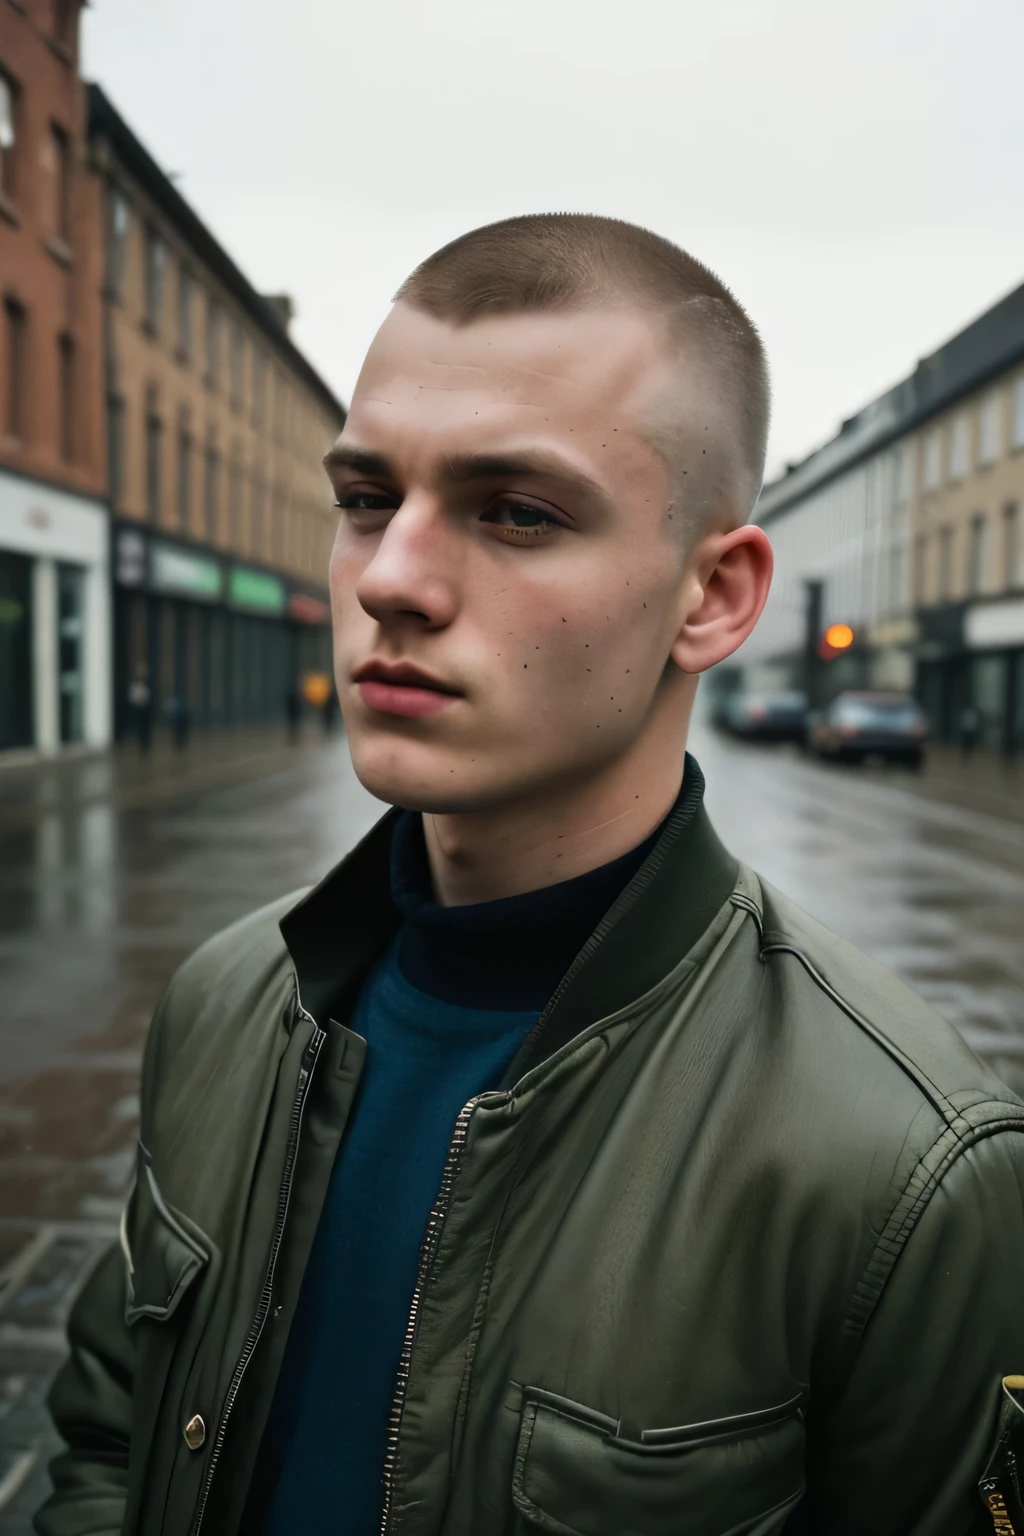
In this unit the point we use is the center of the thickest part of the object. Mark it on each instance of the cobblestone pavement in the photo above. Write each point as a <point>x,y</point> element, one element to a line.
<point>113,868</point>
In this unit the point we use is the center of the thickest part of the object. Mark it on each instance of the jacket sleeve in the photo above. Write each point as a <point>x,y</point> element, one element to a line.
<point>91,1404</point>
<point>902,1450</point>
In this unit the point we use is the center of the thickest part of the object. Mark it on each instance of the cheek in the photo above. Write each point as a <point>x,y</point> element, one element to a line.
<point>343,573</point>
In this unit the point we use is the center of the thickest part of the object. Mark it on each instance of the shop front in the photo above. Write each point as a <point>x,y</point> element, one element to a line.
<point>213,643</point>
<point>971,669</point>
<point>54,618</point>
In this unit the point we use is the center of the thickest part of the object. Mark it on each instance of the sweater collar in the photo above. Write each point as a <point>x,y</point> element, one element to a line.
<point>505,954</point>
<point>337,932</point>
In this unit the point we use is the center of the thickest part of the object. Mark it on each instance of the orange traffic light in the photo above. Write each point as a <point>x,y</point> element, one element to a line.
<point>839,637</point>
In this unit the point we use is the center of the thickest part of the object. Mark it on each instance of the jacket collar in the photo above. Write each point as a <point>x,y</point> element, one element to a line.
<point>338,931</point>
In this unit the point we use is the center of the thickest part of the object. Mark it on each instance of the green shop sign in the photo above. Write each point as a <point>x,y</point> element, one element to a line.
<point>256,591</point>
<point>181,572</point>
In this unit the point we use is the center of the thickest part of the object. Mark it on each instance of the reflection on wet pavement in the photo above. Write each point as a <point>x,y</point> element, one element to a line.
<point>112,871</point>
<point>932,888</point>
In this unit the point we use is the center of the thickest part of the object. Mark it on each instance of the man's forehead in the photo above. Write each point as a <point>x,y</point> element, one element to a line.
<point>597,358</point>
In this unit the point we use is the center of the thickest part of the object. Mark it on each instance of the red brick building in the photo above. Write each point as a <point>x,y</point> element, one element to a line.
<point>54,526</point>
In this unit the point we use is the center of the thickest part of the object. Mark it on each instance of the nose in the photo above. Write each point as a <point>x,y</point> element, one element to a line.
<point>414,573</point>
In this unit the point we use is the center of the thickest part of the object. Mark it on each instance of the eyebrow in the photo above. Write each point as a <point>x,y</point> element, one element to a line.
<point>462,468</point>
<point>342,456</point>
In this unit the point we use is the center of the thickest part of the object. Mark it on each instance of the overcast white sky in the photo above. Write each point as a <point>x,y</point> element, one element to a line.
<point>854,172</point>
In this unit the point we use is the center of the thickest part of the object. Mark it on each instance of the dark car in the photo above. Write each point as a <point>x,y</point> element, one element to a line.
<point>860,725</point>
<point>767,716</point>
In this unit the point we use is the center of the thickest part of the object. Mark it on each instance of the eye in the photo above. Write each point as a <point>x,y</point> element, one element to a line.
<point>365,501</point>
<point>521,522</point>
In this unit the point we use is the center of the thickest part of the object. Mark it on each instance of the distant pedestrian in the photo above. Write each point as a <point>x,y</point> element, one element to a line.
<point>140,710</point>
<point>293,711</point>
<point>180,720</point>
<point>970,730</point>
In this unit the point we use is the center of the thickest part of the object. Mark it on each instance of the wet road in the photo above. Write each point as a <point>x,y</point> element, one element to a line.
<point>111,871</point>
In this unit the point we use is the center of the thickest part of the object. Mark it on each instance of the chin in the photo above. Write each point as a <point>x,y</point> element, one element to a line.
<point>416,778</point>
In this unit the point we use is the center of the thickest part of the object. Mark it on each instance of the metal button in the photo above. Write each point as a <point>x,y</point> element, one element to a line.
<point>194,1432</point>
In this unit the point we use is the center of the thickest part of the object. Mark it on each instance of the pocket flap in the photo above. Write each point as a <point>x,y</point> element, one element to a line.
<point>574,1476</point>
<point>163,1256</point>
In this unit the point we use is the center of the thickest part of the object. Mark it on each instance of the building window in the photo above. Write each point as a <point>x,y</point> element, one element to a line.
<point>976,552</point>
<point>66,398</point>
<point>933,459</point>
<point>186,290</point>
<point>237,367</point>
<point>156,260</point>
<point>184,472</point>
<point>213,327</point>
<point>1018,413</point>
<point>920,568</point>
<point>1012,574</point>
<point>960,447</point>
<point>945,564</point>
<point>905,473</point>
<point>117,238</point>
<point>64,13</point>
<point>211,490</point>
<point>259,387</point>
<point>897,567</point>
<point>235,530</point>
<point>257,516</point>
<point>9,105</point>
<point>115,449</point>
<point>988,429</point>
<point>16,327</point>
<point>154,445</point>
<point>60,212</point>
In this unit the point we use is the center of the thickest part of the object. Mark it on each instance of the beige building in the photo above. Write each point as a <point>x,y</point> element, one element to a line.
<point>969,487</point>
<point>216,426</point>
<point>912,520</point>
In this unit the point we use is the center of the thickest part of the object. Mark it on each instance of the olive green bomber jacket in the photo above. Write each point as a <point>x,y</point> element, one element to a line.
<point>742,1230</point>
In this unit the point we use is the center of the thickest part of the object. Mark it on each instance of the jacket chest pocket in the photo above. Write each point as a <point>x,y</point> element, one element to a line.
<point>574,1476</point>
<point>162,1255</point>
<point>165,1254</point>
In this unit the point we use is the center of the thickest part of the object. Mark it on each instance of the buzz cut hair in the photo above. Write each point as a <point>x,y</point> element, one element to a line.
<point>567,261</point>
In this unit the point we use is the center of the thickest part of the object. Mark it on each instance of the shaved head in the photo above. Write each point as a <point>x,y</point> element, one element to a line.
<point>711,429</point>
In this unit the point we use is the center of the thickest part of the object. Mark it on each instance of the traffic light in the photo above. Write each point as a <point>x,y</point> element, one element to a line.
<point>836,639</point>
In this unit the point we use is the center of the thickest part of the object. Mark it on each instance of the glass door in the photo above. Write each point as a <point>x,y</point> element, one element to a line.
<point>70,650</point>
<point>16,723</point>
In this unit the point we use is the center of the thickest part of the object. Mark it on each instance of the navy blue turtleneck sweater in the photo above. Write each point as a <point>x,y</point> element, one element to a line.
<point>443,1014</point>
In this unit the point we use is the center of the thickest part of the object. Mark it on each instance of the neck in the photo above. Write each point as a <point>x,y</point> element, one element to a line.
<point>545,838</point>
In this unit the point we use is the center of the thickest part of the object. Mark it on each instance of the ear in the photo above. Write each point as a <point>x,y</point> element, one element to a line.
<point>725,590</point>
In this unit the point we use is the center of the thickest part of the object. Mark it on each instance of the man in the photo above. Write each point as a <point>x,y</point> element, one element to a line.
<point>543,1169</point>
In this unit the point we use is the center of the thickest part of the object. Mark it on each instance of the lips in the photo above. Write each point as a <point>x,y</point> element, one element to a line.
<point>401,689</point>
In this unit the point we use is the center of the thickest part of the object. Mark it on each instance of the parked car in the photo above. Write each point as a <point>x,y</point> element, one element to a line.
<point>767,716</point>
<point>860,725</point>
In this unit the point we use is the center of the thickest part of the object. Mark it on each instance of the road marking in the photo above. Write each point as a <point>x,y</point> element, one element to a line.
<point>16,1476</point>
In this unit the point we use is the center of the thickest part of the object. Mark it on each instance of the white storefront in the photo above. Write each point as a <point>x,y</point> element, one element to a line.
<point>55,626</point>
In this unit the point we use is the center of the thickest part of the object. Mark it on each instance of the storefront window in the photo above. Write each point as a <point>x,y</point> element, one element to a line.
<point>16,729</point>
<point>70,616</point>
<point>988,695</point>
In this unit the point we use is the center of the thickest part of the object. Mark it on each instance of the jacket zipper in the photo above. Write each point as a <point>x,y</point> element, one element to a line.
<point>308,1063</point>
<point>432,1236</point>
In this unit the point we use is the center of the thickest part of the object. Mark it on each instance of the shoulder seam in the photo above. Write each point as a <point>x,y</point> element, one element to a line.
<point>905,1214</point>
<point>780,943</point>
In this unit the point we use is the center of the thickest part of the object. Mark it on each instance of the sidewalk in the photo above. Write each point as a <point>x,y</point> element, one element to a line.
<point>124,776</point>
<point>986,783</point>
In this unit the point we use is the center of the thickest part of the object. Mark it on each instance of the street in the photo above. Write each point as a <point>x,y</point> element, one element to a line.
<point>113,868</point>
